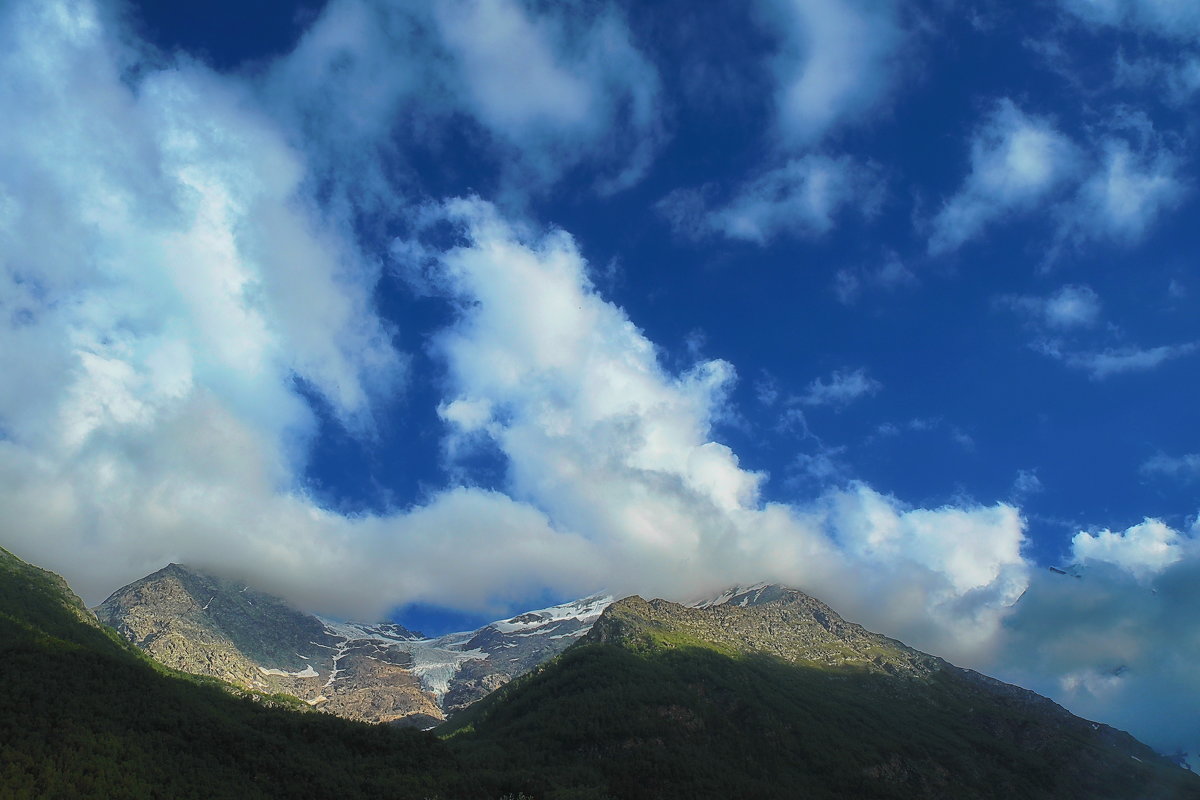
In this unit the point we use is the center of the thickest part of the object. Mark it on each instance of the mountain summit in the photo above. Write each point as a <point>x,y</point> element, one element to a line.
<point>768,693</point>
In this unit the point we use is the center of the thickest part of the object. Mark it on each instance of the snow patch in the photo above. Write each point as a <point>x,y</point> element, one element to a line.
<point>435,664</point>
<point>727,595</point>
<point>587,609</point>
<point>307,672</point>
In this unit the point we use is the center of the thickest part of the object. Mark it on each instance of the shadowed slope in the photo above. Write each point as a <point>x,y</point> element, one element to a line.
<point>83,715</point>
<point>783,698</point>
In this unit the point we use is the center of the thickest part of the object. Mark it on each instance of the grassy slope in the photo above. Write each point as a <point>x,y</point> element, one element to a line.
<point>83,714</point>
<point>664,715</point>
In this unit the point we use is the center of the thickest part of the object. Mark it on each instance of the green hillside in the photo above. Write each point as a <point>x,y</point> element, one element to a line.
<point>664,701</point>
<point>84,715</point>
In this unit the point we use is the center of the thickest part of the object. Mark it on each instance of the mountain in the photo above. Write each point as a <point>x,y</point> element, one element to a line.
<point>208,625</point>
<point>767,693</point>
<point>84,714</point>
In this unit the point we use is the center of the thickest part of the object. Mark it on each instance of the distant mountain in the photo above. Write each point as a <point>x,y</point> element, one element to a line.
<point>207,625</point>
<point>84,715</point>
<point>767,693</point>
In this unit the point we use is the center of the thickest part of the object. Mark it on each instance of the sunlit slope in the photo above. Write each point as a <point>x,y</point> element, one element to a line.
<point>780,697</point>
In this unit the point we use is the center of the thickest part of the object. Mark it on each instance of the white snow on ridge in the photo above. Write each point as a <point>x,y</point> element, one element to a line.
<point>587,609</point>
<point>435,661</point>
<point>359,630</point>
<point>727,595</point>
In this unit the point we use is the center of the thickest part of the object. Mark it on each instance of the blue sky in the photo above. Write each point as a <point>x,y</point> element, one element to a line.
<point>450,311</point>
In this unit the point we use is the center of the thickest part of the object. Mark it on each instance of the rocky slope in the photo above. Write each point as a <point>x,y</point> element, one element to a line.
<point>206,625</point>
<point>769,693</point>
<point>84,714</point>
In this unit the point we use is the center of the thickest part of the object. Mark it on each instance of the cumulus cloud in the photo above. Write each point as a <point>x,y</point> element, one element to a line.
<point>802,198</point>
<point>838,61</point>
<point>1117,642</point>
<point>1016,161</point>
<point>170,279</point>
<point>1143,550</point>
<point>612,446</point>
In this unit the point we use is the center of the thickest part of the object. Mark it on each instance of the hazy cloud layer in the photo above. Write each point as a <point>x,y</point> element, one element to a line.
<point>1184,467</point>
<point>545,89</point>
<point>1072,306</point>
<point>1101,364</point>
<point>1178,19</point>
<point>800,199</point>
<point>842,387</point>
<point>1118,642</point>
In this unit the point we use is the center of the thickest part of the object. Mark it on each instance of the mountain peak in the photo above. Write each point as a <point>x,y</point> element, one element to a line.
<point>768,620</point>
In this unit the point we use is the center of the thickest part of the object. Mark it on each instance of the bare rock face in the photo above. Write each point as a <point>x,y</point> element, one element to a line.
<point>383,672</point>
<point>205,625</point>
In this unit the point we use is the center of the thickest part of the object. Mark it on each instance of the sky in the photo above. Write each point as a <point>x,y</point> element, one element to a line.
<point>446,311</point>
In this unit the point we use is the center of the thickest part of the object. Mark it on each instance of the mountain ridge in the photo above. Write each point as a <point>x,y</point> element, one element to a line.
<point>378,672</point>
<point>793,700</point>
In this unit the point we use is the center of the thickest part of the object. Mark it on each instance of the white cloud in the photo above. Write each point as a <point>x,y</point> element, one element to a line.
<point>1117,643</point>
<point>1143,550</point>
<point>166,278</point>
<point>842,387</point>
<point>802,198</point>
<point>1176,79</point>
<point>839,60</point>
<point>1072,306</point>
<point>892,274</point>
<point>1026,483</point>
<point>1016,161</point>
<point>1114,189</point>
<point>1116,360</point>
<point>1169,18</point>
<point>610,445</point>
<point>168,282</point>
<point>1185,467</point>
<point>1126,194</point>
<point>548,89</point>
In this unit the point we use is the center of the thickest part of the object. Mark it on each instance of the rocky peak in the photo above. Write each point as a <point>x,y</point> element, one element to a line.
<point>768,620</point>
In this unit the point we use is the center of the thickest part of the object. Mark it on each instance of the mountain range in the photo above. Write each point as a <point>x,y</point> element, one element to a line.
<point>379,672</point>
<point>761,692</point>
